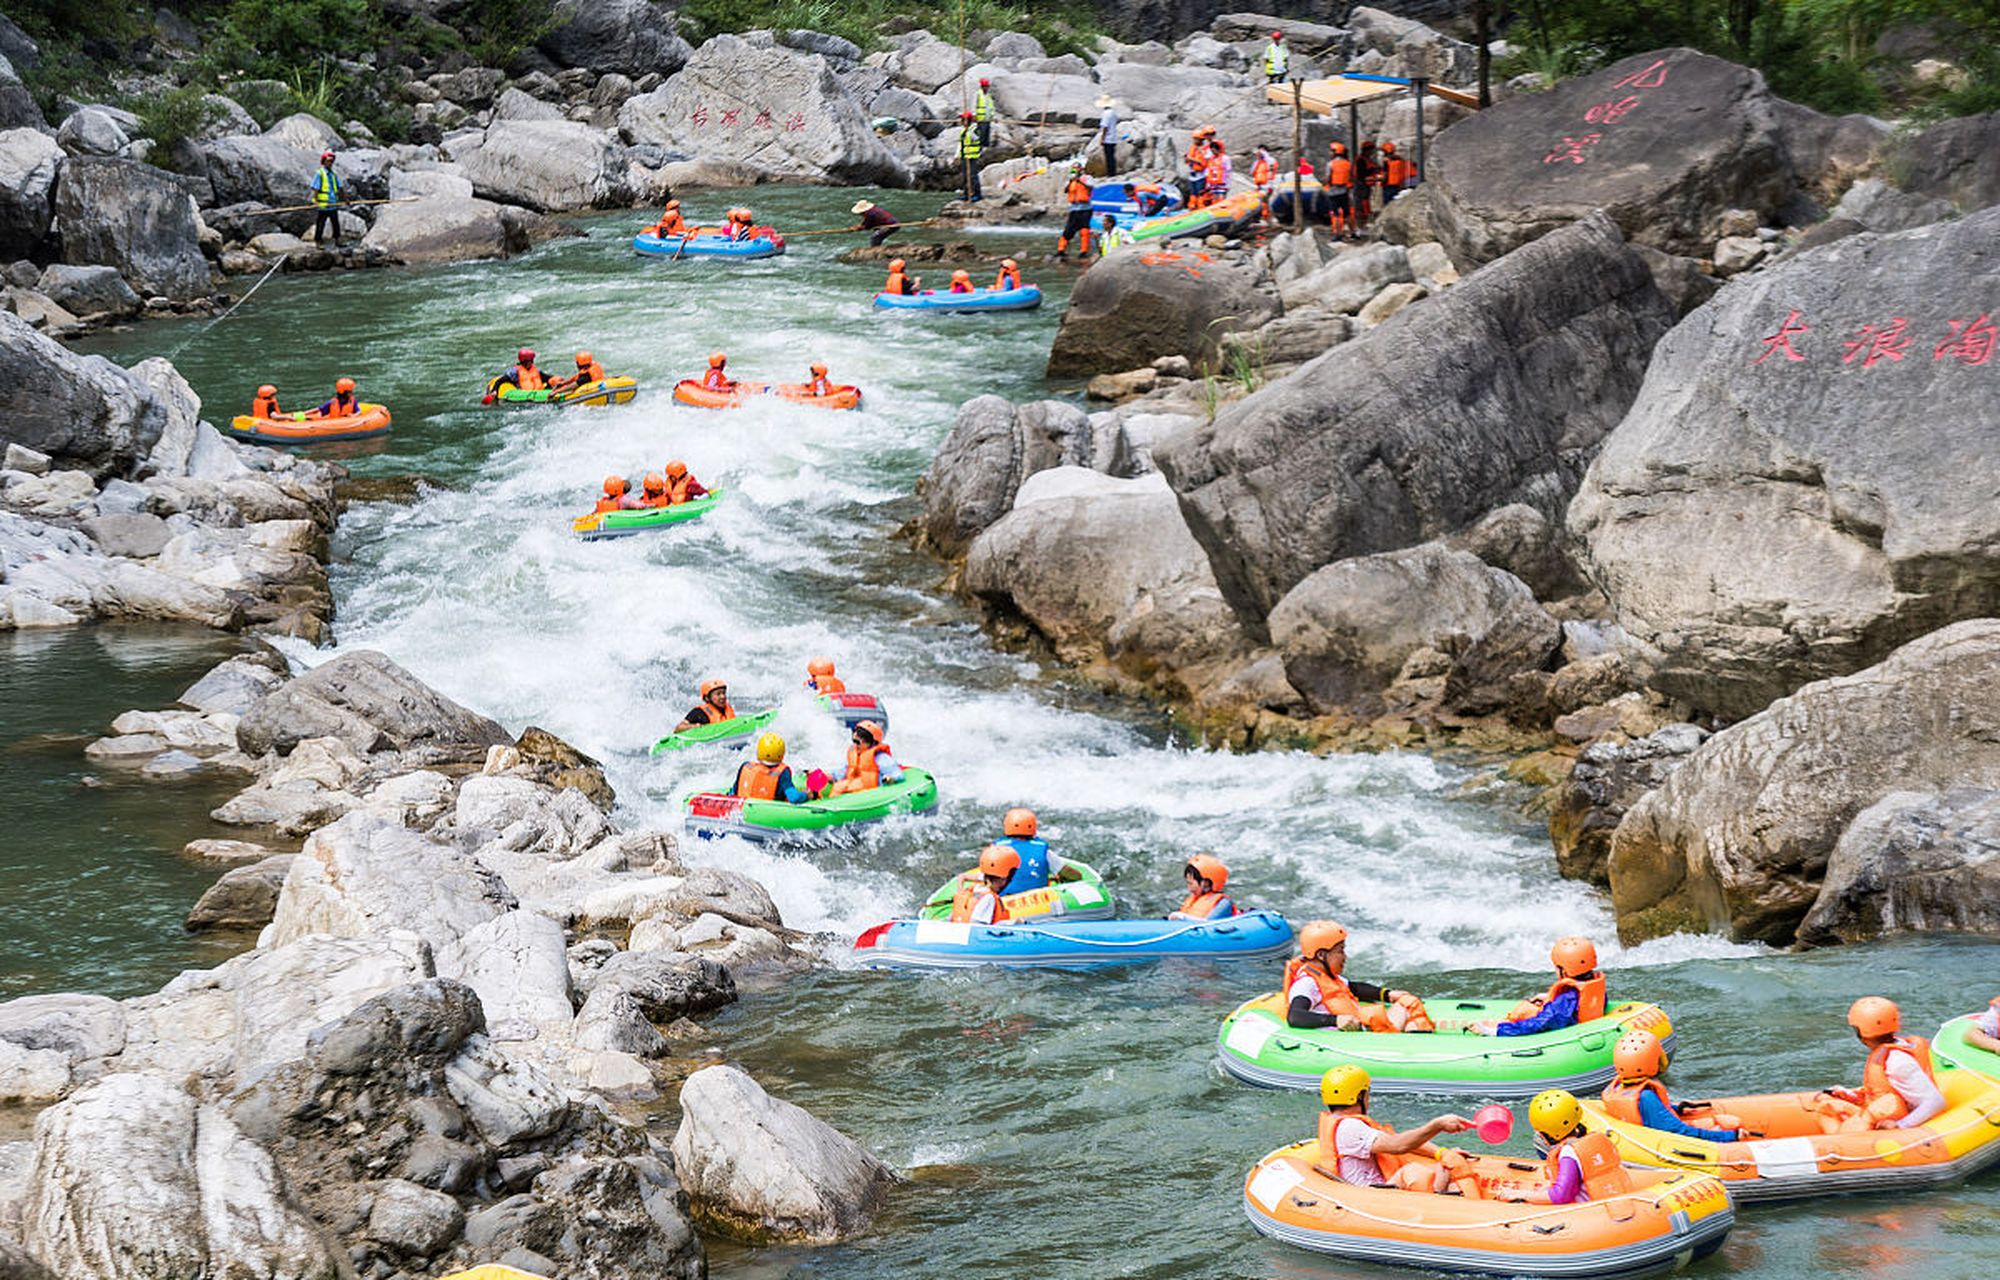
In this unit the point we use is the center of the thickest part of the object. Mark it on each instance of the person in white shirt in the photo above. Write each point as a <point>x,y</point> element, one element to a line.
<point>1898,1088</point>
<point>1367,1153</point>
<point>1985,1032</point>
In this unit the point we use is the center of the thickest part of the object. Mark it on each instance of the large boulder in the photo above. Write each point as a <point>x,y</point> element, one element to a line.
<point>17,105</point>
<point>264,168</point>
<point>1665,142</point>
<point>765,1171</point>
<point>123,214</point>
<point>1607,780</point>
<point>1806,479</point>
<point>993,446</point>
<point>1132,308</point>
<point>82,411</point>
<point>366,875</point>
<point>1957,160</point>
<point>631,37</point>
<point>1044,98</point>
<point>1912,861</point>
<point>768,110</point>
<point>1738,840</point>
<point>446,229</point>
<point>28,161</point>
<point>546,165</point>
<point>371,704</point>
<point>1496,391</point>
<point>89,291</point>
<point>1105,569</point>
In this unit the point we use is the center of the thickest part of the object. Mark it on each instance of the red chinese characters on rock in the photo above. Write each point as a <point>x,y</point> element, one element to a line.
<point>1781,341</point>
<point>1650,78</point>
<point>1610,112</point>
<point>732,116</point>
<point>1572,149</point>
<point>763,120</point>
<point>1971,341</point>
<point>699,116</point>
<point>795,122</point>
<point>1873,342</point>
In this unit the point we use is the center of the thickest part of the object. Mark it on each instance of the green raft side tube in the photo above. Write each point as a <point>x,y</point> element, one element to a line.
<point>1951,1049</point>
<point>741,727</point>
<point>1084,899</point>
<point>1256,1046</point>
<point>618,524</point>
<point>711,813</point>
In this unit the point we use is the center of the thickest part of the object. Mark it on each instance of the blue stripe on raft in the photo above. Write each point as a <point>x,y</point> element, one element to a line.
<point>1056,941</point>
<point>705,247</point>
<point>1025,298</point>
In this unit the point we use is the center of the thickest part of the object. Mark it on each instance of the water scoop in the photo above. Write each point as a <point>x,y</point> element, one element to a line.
<point>1494,1122</point>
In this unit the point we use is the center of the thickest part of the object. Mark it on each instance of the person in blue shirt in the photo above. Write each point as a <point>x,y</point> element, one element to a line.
<point>1039,863</point>
<point>1577,995</point>
<point>1637,1098</point>
<point>1206,878</point>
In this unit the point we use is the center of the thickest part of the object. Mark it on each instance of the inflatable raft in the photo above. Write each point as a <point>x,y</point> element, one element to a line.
<point>1116,199</point>
<point>941,944</point>
<point>712,816</point>
<point>1255,1045</point>
<point>741,728</point>
<point>600,525</point>
<point>1084,898</point>
<point>765,243</point>
<point>1663,1220</point>
<point>852,708</point>
<point>1190,222</point>
<point>690,392</point>
<point>1025,298</point>
<point>609,391</point>
<point>297,428</point>
<point>1793,1159</point>
<point>1950,1049</point>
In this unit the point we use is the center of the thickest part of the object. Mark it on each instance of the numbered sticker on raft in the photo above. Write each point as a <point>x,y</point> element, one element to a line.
<point>1087,895</point>
<point>1248,1036</point>
<point>1035,902</point>
<point>1784,1157</point>
<point>943,933</point>
<point>1272,1183</point>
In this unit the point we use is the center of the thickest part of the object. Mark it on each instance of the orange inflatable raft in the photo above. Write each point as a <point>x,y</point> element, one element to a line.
<point>1790,1157</point>
<point>688,391</point>
<point>1662,1219</point>
<point>298,428</point>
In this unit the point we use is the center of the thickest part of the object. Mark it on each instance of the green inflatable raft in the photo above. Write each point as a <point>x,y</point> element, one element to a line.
<point>1950,1049</point>
<point>1255,1045</point>
<point>712,815</point>
<point>599,525</point>
<point>1082,899</point>
<point>741,727</point>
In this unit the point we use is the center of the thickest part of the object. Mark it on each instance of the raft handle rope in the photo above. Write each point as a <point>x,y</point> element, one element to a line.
<point>1989,1115</point>
<point>232,308</point>
<point>1168,936</point>
<point>1354,1055</point>
<point>1553,1211</point>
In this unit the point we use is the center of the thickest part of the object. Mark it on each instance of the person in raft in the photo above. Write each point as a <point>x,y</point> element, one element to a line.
<point>869,763</point>
<point>876,219</point>
<point>1039,864</point>
<point>672,487</point>
<point>1363,1152</point>
<point>1581,1165</point>
<point>1985,1030</point>
<point>588,370</point>
<point>742,224</point>
<point>713,708</point>
<point>1009,276</point>
<point>820,677</point>
<point>1317,995</point>
<point>819,384</point>
<point>767,777</point>
<point>961,282</point>
<point>524,374</point>
<point>1637,1097</point>
<point>717,378</point>
<point>1206,877</point>
<point>978,899</point>
<point>1577,995</point>
<point>265,405</point>
<point>617,496</point>
<point>344,403</point>
<point>671,223</point>
<point>899,283</point>
<point>1899,1088</point>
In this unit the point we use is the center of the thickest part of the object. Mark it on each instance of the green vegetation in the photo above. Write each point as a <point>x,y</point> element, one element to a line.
<point>1824,53</point>
<point>1063,26</point>
<point>174,117</point>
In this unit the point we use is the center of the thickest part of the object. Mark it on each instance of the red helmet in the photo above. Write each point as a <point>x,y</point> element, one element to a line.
<point>344,385</point>
<point>1277,35</point>
<point>998,860</point>
<point>614,486</point>
<point>1019,822</point>
<point>872,728</point>
<point>965,115</point>
<point>984,83</point>
<point>717,359</point>
<point>526,355</point>
<point>677,468</point>
<point>1210,868</point>
<point>325,156</point>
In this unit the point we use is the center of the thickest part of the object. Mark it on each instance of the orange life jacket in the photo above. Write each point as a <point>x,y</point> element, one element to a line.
<point>1197,158</point>
<point>671,224</point>
<point>528,378</point>
<point>1329,1155</point>
<point>677,489</point>
<point>1216,172</point>
<point>1007,279</point>
<point>756,780</point>
<point>1077,193</point>
<point>1604,1175</point>
<point>1337,996</point>
<point>1199,905</point>
<point>1875,1084</point>
<point>593,372</point>
<point>864,771</point>
<point>819,386</point>
<point>898,284</point>
<point>265,407</point>
<point>960,286</point>
<point>1340,172</point>
<point>1399,171</point>
<point>608,503</point>
<point>1262,172</point>
<point>968,897</point>
<point>1589,994</point>
<point>659,498</point>
<point>717,380</point>
<point>1621,1098</point>
<point>829,684</point>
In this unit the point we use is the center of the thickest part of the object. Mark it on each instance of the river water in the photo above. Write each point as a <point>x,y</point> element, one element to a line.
<point>1052,1124</point>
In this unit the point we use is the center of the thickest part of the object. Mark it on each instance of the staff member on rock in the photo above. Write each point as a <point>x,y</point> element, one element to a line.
<point>876,219</point>
<point>326,200</point>
<point>969,148</point>
<point>1107,133</point>
<point>983,112</point>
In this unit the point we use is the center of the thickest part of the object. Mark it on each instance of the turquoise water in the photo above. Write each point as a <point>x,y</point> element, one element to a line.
<point>1053,1124</point>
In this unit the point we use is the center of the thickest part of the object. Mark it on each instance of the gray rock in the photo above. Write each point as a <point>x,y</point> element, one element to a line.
<point>546,165</point>
<point>371,704</point>
<point>90,292</point>
<point>831,47</point>
<point>665,985</point>
<point>263,168</point>
<point>1738,253</point>
<point>91,131</point>
<point>1956,160</point>
<point>472,87</point>
<point>925,63</point>
<point>516,105</point>
<point>20,457</point>
<point>1912,862</point>
<point>1132,308</point>
<point>77,1028</point>
<point>1291,339</point>
<point>1829,152</point>
<point>993,446</point>
<point>1034,97</point>
<point>244,898</point>
<point>364,875</point>
<point>79,410</point>
<point>413,1220</point>
<point>40,311</point>
<point>1158,89</point>
<point>1527,544</point>
<point>123,214</point>
<point>28,161</point>
<point>1525,366</point>
<point>17,105</point>
<point>1751,532</point>
<point>632,37</point>
<point>1608,779</point>
<point>137,535</point>
<point>1014,44</point>
<point>1351,280</point>
<point>233,685</point>
<point>1876,205</point>
<point>448,229</point>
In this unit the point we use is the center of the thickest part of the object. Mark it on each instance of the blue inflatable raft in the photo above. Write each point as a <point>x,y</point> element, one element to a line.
<point>769,244</point>
<point>941,944</point>
<point>1025,298</point>
<point>1117,199</point>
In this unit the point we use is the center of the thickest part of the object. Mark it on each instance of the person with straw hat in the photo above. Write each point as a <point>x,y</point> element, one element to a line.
<point>876,219</point>
<point>1107,133</point>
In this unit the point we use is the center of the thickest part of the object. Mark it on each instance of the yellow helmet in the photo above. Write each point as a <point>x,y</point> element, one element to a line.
<point>770,748</point>
<point>1555,1114</point>
<point>1342,1086</point>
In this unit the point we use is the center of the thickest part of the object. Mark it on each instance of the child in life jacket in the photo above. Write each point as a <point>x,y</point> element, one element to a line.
<point>979,899</point>
<point>1637,1097</point>
<point>1577,995</point>
<point>1040,865</point>
<point>821,679</point>
<point>869,763</point>
<point>1206,877</point>
<point>1316,995</point>
<point>1899,1088</point>
<point>767,777</point>
<point>1363,1152</point>
<point>1985,1030</point>
<point>1581,1165</point>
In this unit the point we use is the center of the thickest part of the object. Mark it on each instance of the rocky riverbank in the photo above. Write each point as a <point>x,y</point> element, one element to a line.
<point>1624,470</point>
<point>468,994</point>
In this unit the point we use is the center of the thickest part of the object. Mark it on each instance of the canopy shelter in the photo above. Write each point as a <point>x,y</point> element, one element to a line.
<point>1330,95</point>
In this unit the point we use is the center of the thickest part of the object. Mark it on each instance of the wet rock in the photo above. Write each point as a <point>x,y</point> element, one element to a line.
<point>28,162</point>
<point>364,875</point>
<point>1738,840</point>
<point>763,1170</point>
<point>665,985</point>
<point>1132,308</point>
<point>1608,779</point>
<point>372,704</point>
<point>993,446</point>
<point>1494,392</point>
<point>233,686</point>
<point>91,292</point>
<point>631,37</point>
<point>244,898</point>
<point>545,165</point>
<point>228,852</point>
<point>1914,861</point>
<point>123,214</point>
<point>446,229</point>
<point>1867,529</point>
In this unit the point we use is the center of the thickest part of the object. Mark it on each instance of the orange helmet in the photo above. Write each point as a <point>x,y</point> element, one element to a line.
<point>654,484</point>
<point>896,264</point>
<point>820,667</point>
<point>1875,1016</point>
<point>1210,868</point>
<point>583,359</point>
<point>998,860</point>
<point>961,275</point>
<point>673,204</point>
<point>872,728</point>
<point>1019,822</point>
<point>1010,264</point>
<point>1638,1055</point>
<point>267,390</point>
<point>1204,131</point>
<point>1318,936</point>
<point>1388,146</point>
<point>1573,956</point>
<point>1338,148</point>
<point>677,468</point>
<point>819,367</point>
<point>345,384</point>
<point>717,359</point>
<point>614,486</point>
<point>707,686</point>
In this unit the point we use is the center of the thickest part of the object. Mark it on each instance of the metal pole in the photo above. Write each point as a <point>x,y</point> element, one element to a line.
<point>1417,84</point>
<point>1298,154</point>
